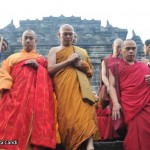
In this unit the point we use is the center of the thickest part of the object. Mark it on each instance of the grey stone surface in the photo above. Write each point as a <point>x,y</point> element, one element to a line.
<point>111,145</point>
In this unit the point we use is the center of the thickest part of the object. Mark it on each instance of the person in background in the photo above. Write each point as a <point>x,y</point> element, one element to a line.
<point>74,41</point>
<point>104,109</point>
<point>27,119</point>
<point>3,46</point>
<point>113,58</point>
<point>146,58</point>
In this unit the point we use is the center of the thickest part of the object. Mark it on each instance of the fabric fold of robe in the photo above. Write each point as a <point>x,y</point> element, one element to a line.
<point>104,110</point>
<point>84,82</point>
<point>27,109</point>
<point>105,125</point>
<point>76,118</point>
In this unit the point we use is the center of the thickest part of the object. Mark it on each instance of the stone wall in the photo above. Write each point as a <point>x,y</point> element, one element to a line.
<point>96,39</point>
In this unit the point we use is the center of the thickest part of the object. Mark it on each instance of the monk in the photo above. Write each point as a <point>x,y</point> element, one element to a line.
<point>114,57</point>
<point>3,46</point>
<point>104,112</point>
<point>146,58</point>
<point>27,119</point>
<point>74,41</point>
<point>134,84</point>
<point>75,112</point>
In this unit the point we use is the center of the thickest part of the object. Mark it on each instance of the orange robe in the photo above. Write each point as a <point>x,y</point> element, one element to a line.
<point>58,139</point>
<point>76,119</point>
<point>27,107</point>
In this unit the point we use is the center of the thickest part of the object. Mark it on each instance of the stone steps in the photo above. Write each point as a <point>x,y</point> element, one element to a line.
<point>111,145</point>
<point>115,145</point>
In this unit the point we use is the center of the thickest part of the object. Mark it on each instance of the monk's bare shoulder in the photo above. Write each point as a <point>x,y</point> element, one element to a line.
<point>54,50</point>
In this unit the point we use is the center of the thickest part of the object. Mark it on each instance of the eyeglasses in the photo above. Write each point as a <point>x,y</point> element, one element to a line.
<point>128,48</point>
<point>66,34</point>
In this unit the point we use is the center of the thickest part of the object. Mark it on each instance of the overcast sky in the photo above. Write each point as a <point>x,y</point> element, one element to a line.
<point>125,14</point>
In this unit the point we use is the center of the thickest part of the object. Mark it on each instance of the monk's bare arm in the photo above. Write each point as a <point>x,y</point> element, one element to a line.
<point>113,94</point>
<point>54,67</point>
<point>104,76</point>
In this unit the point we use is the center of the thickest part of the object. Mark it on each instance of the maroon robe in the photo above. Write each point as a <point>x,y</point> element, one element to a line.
<point>135,99</point>
<point>104,115</point>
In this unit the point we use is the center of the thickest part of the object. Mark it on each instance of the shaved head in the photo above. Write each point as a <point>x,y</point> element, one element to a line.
<point>118,42</point>
<point>129,50</point>
<point>66,34</point>
<point>128,41</point>
<point>29,31</point>
<point>117,45</point>
<point>29,40</point>
<point>66,26</point>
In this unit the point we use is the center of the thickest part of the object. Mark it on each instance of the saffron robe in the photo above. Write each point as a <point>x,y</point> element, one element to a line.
<point>85,86</point>
<point>27,108</point>
<point>135,99</point>
<point>58,139</point>
<point>76,118</point>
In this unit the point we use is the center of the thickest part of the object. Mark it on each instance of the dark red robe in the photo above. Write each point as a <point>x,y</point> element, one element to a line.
<point>104,115</point>
<point>135,99</point>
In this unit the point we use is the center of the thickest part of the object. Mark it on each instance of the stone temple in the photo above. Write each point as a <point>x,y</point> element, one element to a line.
<point>96,39</point>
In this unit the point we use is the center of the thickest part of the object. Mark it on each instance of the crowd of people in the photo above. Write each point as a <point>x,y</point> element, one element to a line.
<point>46,102</point>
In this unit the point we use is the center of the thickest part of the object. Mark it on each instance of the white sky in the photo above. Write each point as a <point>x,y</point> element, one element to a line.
<point>126,14</point>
